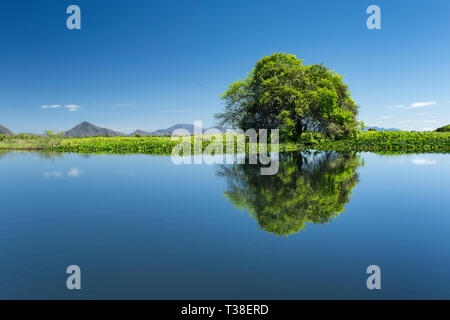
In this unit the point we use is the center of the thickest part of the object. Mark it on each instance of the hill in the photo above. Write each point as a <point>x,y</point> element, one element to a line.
<point>443,129</point>
<point>5,131</point>
<point>381,129</point>
<point>86,129</point>
<point>168,132</point>
<point>189,127</point>
<point>139,132</point>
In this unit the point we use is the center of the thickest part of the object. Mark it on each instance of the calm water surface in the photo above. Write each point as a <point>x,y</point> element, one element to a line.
<point>141,227</point>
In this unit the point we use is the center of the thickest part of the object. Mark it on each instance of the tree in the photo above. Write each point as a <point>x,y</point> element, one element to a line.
<point>282,93</point>
<point>310,187</point>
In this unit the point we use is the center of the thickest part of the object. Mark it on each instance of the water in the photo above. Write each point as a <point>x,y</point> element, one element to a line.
<point>140,227</point>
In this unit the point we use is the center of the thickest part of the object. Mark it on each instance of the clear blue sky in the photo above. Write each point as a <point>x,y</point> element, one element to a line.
<point>152,64</point>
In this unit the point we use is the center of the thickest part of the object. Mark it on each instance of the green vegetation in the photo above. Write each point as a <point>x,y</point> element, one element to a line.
<point>385,142</point>
<point>282,93</point>
<point>443,129</point>
<point>29,142</point>
<point>150,145</point>
<point>310,187</point>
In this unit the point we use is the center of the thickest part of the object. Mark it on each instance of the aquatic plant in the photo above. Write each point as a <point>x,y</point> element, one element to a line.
<point>371,141</point>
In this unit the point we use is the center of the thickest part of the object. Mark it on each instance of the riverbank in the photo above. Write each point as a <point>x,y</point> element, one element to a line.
<point>384,142</point>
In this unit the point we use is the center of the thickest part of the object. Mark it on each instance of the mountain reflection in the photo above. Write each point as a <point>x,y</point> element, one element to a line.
<point>310,187</point>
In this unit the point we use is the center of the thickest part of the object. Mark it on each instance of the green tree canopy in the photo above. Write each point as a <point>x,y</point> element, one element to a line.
<point>282,93</point>
<point>308,188</point>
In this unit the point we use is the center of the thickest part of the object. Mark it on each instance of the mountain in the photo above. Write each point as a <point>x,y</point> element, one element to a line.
<point>381,129</point>
<point>443,129</point>
<point>5,131</point>
<point>223,130</point>
<point>169,131</point>
<point>139,132</point>
<point>86,129</point>
<point>189,127</point>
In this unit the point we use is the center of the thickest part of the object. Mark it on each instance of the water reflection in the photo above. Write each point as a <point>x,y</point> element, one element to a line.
<point>309,187</point>
<point>43,155</point>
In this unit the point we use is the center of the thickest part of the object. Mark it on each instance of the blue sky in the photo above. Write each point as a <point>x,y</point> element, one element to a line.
<point>152,64</point>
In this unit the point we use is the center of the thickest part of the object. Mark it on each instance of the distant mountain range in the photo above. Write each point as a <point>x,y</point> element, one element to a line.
<point>5,131</point>
<point>169,131</point>
<point>86,129</point>
<point>188,127</point>
<point>381,129</point>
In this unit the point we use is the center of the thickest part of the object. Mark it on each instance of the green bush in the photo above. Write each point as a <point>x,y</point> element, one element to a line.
<point>311,138</point>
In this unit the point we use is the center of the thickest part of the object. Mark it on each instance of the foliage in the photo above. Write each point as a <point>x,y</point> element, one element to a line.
<point>397,141</point>
<point>151,145</point>
<point>25,141</point>
<point>308,188</point>
<point>282,93</point>
<point>365,141</point>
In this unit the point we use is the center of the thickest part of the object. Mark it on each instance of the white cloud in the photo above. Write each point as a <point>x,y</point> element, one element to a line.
<point>421,113</point>
<point>404,121</point>
<point>398,106</point>
<point>74,172</point>
<point>422,104</point>
<point>72,107</point>
<point>414,105</point>
<point>386,117</point>
<point>52,174</point>
<point>124,105</point>
<point>422,161</point>
<point>430,121</point>
<point>426,129</point>
<point>51,106</point>
<point>173,111</point>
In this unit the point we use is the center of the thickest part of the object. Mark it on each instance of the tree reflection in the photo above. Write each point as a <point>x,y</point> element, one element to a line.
<point>309,187</point>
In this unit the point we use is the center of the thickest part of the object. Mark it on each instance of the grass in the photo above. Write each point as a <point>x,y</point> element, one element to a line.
<point>381,142</point>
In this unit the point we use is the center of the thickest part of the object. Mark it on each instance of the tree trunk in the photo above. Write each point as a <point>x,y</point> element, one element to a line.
<point>300,128</point>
